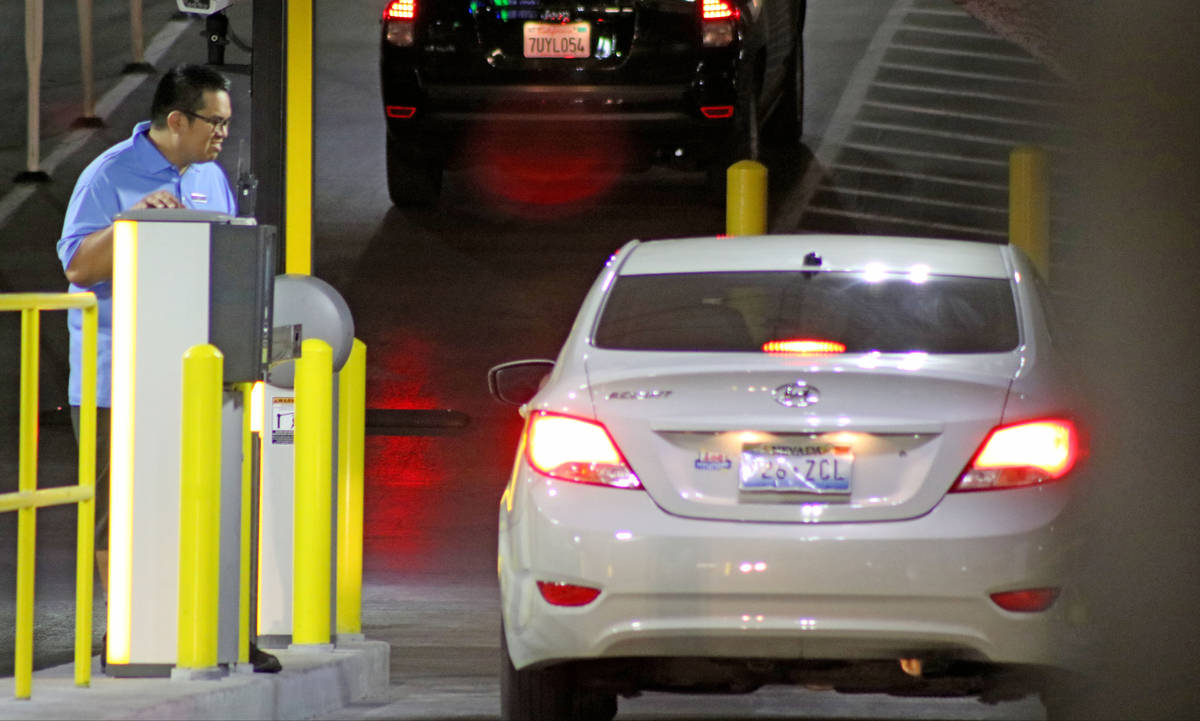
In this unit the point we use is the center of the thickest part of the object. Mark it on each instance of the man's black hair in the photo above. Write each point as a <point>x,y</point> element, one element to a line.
<point>182,88</point>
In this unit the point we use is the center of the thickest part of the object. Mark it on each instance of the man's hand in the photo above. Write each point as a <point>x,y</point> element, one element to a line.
<point>93,259</point>
<point>158,199</point>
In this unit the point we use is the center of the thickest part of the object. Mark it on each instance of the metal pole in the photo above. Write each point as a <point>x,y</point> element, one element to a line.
<point>88,117</point>
<point>312,554</point>
<point>139,64</point>
<point>200,512</point>
<point>298,147</point>
<point>746,203</point>
<point>33,69</point>
<point>351,439</point>
<point>27,517</point>
<point>267,85</point>
<point>244,576</point>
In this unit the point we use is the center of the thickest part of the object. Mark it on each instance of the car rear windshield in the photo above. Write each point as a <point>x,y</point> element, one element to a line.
<point>743,311</point>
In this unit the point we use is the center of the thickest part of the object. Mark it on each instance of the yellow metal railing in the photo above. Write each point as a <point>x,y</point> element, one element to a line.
<point>28,498</point>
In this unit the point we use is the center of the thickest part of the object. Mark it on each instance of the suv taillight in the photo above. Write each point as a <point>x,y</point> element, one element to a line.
<point>717,22</point>
<point>1022,454</point>
<point>576,450</point>
<point>398,19</point>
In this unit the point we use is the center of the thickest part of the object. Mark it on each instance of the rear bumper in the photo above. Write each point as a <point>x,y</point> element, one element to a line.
<point>675,587</point>
<point>447,118</point>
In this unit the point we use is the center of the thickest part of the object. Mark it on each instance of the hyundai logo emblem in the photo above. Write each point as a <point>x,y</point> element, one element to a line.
<point>796,395</point>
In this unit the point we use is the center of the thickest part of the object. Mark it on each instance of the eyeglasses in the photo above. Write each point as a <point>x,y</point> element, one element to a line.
<point>217,123</point>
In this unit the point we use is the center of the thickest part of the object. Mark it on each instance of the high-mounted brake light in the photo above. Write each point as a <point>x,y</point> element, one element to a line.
<point>1022,454</point>
<point>804,346</point>
<point>567,594</point>
<point>576,450</point>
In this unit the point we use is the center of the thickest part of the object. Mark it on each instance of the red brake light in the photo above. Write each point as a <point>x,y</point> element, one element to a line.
<point>401,111</point>
<point>717,10</point>
<point>567,594</point>
<point>400,10</point>
<point>804,346</point>
<point>1029,600</point>
<point>576,450</point>
<point>1022,454</point>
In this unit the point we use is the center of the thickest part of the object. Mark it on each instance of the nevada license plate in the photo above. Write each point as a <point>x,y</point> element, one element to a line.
<point>796,468</point>
<point>558,40</point>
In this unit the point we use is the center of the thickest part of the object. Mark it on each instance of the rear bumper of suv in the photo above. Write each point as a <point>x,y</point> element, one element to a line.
<point>437,121</point>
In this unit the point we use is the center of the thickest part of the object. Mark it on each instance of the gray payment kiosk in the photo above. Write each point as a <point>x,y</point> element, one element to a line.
<point>181,278</point>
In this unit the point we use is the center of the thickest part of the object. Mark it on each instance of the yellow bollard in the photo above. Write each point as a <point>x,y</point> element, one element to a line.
<point>352,401</point>
<point>746,201</point>
<point>27,517</point>
<point>200,508</point>
<point>312,554</point>
<point>1029,205</point>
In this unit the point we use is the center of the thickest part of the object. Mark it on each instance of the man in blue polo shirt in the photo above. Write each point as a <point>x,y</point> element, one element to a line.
<point>168,162</point>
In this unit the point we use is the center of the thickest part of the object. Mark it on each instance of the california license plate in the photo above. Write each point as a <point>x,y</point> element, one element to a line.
<point>796,468</point>
<point>558,40</point>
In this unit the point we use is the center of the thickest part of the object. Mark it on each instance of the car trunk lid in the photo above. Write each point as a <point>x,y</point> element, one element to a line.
<point>858,438</point>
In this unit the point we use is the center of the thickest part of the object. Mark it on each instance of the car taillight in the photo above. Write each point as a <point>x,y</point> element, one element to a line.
<point>572,449</point>
<point>398,19</point>
<point>400,10</point>
<point>1022,454</point>
<point>567,594</point>
<point>804,346</point>
<point>717,18</point>
<point>717,10</point>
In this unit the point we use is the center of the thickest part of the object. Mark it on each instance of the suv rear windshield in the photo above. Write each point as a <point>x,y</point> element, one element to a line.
<point>743,311</point>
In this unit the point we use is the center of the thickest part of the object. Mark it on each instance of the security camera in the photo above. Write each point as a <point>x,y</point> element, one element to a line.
<point>203,7</point>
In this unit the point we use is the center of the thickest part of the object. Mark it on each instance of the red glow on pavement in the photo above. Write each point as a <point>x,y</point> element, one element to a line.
<point>398,372</point>
<point>398,533</point>
<point>401,472</point>
<point>546,173</point>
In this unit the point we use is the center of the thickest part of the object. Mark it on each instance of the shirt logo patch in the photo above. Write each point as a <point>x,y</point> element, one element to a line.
<point>198,197</point>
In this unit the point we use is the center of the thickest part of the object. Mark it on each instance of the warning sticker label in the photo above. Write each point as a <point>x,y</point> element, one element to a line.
<point>283,420</point>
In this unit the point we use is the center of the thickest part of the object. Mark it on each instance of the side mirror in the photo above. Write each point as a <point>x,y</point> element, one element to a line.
<point>517,382</point>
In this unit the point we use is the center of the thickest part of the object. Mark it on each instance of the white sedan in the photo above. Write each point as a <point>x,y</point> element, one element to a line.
<point>816,459</point>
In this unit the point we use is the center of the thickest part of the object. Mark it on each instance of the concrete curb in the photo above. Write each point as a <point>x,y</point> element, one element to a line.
<point>310,685</point>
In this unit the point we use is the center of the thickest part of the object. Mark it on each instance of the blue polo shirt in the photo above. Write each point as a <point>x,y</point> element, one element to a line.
<point>112,183</point>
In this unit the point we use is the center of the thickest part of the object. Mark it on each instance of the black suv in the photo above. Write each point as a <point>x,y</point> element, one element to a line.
<point>654,80</point>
